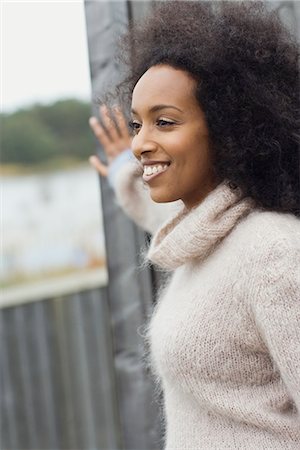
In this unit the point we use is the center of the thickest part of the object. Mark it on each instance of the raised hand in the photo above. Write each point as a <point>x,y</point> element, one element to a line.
<point>115,137</point>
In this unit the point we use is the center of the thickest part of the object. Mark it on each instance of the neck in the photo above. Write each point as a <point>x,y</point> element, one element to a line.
<point>200,194</point>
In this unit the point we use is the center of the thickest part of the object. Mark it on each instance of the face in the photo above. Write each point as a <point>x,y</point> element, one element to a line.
<point>171,137</point>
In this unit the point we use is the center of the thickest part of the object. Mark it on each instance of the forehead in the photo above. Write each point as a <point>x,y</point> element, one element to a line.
<point>164,84</point>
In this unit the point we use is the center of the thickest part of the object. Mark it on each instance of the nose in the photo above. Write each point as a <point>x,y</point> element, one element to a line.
<point>142,143</point>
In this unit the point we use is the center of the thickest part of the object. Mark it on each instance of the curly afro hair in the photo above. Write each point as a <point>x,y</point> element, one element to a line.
<point>246,65</point>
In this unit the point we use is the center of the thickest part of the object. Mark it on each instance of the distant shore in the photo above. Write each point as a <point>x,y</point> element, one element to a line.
<point>7,170</point>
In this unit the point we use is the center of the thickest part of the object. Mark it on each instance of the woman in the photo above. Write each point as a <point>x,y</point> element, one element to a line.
<point>215,119</point>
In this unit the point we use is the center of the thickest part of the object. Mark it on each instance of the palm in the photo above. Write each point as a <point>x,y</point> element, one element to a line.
<point>113,136</point>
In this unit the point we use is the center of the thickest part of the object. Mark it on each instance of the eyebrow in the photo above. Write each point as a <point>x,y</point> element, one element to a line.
<point>158,108</point>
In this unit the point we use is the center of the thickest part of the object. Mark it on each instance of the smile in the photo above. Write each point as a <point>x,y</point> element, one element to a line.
<point>153,171</point>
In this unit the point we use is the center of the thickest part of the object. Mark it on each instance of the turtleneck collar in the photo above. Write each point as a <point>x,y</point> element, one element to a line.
<point>196,232</point>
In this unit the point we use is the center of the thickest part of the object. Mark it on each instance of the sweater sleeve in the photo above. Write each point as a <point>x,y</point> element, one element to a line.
<point>276,309</point>
<point>135,200</point>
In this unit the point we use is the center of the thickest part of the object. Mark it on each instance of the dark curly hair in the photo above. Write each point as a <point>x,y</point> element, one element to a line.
<point>246,64</point>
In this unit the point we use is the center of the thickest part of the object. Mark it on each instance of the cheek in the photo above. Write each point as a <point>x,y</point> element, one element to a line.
<point>188,150</point>
<point>200,152</point>
<point>196,159</point>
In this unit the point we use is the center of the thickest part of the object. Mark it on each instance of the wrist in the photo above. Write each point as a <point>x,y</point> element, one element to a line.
<point>122,159</point>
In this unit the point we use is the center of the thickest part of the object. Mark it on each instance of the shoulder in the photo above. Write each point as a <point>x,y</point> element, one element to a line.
<point>269,248</point>
<point>264,230</point>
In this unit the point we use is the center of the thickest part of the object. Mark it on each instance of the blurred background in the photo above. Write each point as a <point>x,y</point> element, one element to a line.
<point>73,298</point>
<point>45,143</point>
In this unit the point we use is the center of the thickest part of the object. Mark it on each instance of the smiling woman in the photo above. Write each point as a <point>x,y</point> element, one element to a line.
<point>215,108</point>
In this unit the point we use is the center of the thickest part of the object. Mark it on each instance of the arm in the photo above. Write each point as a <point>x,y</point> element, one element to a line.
<point>276,308</point>
<point>124,173</point>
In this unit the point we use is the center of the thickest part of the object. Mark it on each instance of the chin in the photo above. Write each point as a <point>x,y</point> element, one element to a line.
<point>160,197</point>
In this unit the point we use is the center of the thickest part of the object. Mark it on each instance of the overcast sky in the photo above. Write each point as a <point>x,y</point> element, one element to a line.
<point>44,52</point>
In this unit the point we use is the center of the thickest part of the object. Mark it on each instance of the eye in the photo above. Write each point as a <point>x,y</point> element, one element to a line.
<point>164,123</point>
<point>134,126</point>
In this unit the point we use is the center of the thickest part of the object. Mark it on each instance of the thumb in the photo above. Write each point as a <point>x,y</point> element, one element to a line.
<point>98,165</point>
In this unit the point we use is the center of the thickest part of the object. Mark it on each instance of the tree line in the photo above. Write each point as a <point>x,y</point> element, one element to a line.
<point>43,133</point>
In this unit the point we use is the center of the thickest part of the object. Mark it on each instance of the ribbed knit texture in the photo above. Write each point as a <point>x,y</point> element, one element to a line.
<point>203,229</point>
<point>225,333</point>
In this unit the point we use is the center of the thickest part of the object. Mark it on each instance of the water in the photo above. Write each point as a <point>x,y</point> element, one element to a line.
<point>51,225</point>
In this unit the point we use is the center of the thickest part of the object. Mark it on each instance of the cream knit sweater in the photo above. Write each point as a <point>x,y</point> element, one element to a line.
<point>225,332</point>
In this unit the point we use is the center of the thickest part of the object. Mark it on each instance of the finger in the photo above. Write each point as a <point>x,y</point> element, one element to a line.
<point>121,122</point>
<point>100,133</point>
<point>98,165</point>
<point>109,123</point>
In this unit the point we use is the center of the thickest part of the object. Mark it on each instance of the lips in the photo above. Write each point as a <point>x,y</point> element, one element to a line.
<point>144,162</point>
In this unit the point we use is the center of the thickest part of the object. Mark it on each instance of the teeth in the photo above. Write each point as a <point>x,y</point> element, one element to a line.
<point>150,170</point>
